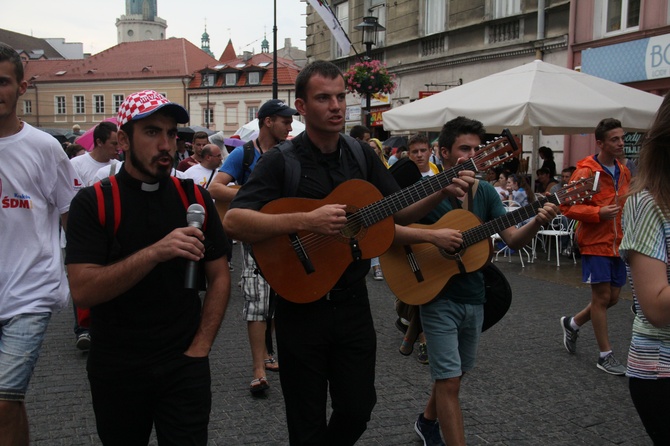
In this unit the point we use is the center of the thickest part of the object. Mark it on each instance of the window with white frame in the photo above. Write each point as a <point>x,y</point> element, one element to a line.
<point>60,105</point>
<point>621,15</point>
<point>341,11</point>
<point>208,80</point>
<point>254,78</point>
<point>99,103</point>
<point>377,8</point>
<point>435,16</point>
<point>231,115</point>
<point>252,113</point>
<point>118,100</point>
<point>79,105</point>
<point>208,116</point>
<point>505,8</point>
<point>27,107</point>
<point>231,79</point>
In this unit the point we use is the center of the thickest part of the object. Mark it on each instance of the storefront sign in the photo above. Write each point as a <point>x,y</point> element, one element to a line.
<point>632,142</point>
<point>377,100</point>
<point>376,116</point>
<point>637,60</point>
<point>425,94</point>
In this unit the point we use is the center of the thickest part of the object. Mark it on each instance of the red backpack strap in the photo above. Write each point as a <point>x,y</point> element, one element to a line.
<point>116,199</point>
<point>102,194</point>
<point>100,198</point>
<point>188,198</point>
<point>180,190</point>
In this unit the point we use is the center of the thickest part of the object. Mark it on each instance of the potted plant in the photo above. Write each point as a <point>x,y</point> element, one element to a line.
<point>369,77</point>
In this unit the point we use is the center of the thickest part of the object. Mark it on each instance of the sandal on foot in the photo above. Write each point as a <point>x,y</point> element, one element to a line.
<point>259,385</point>
<point>271,364</point>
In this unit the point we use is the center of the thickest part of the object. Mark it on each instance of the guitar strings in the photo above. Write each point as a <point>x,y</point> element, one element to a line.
<point>379,210</point>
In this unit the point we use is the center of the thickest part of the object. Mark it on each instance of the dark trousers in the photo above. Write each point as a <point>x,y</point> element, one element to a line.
<point>651,398</point>
<point>175,396</point>
<point>328,345</point>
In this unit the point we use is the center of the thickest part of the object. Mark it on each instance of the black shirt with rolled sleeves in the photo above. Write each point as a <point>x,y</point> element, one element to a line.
<point>157,317</point>
<point>319,174</point>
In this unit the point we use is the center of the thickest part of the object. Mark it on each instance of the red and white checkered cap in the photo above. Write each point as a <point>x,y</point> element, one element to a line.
<point>143,103</point>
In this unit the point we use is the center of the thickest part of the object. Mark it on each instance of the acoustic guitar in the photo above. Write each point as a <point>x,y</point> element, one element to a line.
<point>418,273</point>
<point>304,266</point>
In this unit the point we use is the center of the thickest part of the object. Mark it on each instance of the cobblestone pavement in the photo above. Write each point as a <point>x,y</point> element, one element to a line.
<point>525,390</point>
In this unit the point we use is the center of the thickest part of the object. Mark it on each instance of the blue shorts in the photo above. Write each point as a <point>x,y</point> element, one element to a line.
<point>452,334</point>
<point>599,269</point>
<point>20,342</point>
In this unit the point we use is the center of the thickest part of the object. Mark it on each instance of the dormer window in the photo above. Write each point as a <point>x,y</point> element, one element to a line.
<point>231,79</point>
<point>254,77</point>
<point>208,80</point>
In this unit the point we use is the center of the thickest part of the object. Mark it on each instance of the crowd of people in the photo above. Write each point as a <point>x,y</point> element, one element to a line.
<point>149,237</point>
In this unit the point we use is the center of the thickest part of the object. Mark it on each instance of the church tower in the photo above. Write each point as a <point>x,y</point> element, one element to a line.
<point>265,45</point>
<point>204,42</point>
<point>140,22</point>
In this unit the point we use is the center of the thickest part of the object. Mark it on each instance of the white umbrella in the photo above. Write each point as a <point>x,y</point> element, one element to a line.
<point>250,130</point>
<point>535,96</point>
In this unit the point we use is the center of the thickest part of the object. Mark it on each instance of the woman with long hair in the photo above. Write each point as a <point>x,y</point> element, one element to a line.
<point>646,250</point>
<point>548,162</point>
<point>518,190</point>
<point>377,147</point>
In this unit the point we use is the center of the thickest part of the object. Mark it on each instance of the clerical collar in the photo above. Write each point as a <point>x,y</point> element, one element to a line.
<point>148,187</point>
<point>125,177</point>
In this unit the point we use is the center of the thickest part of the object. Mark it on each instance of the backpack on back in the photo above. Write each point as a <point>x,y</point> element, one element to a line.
<point>109,201</point>
<point>292,164</point>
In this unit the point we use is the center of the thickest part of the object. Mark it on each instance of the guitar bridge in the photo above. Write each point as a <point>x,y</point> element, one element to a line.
<point>301,253</point>
<point>413,264</point>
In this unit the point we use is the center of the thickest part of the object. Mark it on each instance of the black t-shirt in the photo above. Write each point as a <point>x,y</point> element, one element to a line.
<point>158,317</point>
<point>319,175</point>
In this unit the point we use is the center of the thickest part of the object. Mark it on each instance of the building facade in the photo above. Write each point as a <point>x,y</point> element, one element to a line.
<point>62,93</point>
<point>624,41</point>
<point>227,94</point>
<point>432,45</point>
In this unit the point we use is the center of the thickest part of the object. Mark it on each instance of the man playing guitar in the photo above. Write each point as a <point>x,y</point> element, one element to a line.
<point>452,322</point>
<point>328,345</point>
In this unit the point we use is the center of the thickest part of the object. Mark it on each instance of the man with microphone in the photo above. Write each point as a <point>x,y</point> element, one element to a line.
<point>127,260</point>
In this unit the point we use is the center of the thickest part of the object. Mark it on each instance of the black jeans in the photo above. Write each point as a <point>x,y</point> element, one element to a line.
<point>651,398</point>
<point>175,396</point>
<point>327,345</point>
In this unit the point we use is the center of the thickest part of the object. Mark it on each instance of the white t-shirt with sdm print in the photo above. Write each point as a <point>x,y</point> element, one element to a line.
<point>37,183</point>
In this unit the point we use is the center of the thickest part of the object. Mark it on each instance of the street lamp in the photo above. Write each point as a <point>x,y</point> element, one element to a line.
<point>370,26</point>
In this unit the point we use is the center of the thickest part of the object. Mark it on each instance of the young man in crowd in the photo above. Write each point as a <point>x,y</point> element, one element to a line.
<point>452,322</point>
<point>326,346</point>
<point>37,183</point>
<point>598,238</point>
<point>151,335</point>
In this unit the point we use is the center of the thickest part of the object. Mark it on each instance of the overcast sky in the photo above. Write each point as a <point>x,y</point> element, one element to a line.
<point>93,22</point>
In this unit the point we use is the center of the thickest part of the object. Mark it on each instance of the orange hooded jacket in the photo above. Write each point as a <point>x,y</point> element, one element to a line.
<point>595,236</point>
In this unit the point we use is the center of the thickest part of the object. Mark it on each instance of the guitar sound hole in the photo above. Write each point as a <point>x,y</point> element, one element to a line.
<point>354,227</point>
<point>452,255</point>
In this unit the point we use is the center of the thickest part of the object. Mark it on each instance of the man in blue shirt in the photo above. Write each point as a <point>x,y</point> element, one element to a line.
<point>274,122</point>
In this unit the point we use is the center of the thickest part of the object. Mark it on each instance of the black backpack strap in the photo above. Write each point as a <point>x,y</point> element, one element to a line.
<point>247,159</point>
<point>357,150</point>
<point>292,167</point>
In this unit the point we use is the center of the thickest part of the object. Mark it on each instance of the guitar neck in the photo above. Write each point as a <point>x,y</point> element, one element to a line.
<point>397,201</point>
<point>486,230</point>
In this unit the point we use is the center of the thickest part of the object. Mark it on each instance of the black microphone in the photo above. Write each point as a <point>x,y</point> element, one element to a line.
<point>195,217</point>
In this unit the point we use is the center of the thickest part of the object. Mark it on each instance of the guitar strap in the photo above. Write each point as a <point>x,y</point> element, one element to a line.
<point>467,205</point>
<point>498,291</point>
